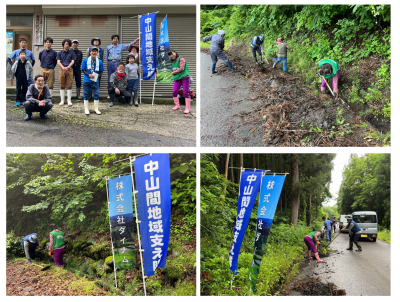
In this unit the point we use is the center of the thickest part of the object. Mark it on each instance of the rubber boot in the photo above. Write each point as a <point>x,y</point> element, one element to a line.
<point>51,92</point>
<point>359,248</point>
<point>176,101</point>
<point>255,59</point>
<point>62,96</point>
<point>213,67</point>
<point>318,259</point>
<point>112,98</point>
<point>261,62</point>
<point>131,100</point>
<point>273,66</point>
<point>309,255</point>
<point>136,97</point>
<point>187,109</point>
<point>96,107</point>
<point>86,104</point>
<point>69,95</point>
<point>350,248</point>
<point>78,93</point>
<point>230,65</point>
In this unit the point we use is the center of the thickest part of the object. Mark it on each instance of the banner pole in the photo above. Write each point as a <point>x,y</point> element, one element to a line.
<point>112,245</point>
<point>140,65</point>
<point>154,89</point>
<point>137,224</point>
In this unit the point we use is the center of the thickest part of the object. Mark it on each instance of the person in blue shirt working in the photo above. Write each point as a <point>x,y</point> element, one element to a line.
<point>114,55</point>
<point>48,61</point>
<point>257,44</point>
<point>30,242</point>
<point>92,68</point>
<point>29,57</point>
<point>328,229</point>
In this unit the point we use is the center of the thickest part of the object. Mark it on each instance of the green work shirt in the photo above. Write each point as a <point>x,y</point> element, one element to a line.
<point>184,73</point>
<point>58,239</point>
<point>335,67</point>
<point>312,236</point>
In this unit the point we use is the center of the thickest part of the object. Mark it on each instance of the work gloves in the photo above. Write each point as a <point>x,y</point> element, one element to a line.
<point>320,72</point>
<point>50,253</point>
<point>318,242</point>
<point>335,95</point>
<point>264,53</point>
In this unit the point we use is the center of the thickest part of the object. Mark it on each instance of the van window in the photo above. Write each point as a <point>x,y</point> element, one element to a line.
<point>364,218</point>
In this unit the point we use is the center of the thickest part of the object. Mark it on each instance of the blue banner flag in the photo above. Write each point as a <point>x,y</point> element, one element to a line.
<point>148,44</point>
<point>153,186</point>
<point>271,188</point>
<point>248,190</point>
<point>164,63</point>
<point>121,221</point>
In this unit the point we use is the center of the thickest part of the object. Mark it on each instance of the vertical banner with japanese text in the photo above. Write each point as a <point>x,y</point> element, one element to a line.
<point>248,190</point>
<point>153,185</point>
<point>271,188</point>
<point>148,45</point>
<point>121,221</point>
<point>164,64</point>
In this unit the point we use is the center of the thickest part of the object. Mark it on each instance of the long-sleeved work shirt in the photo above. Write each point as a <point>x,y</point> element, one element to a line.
<point>115,52</point>
<point>66,57</point>
<point>15,54</point>
<point>48,58</point>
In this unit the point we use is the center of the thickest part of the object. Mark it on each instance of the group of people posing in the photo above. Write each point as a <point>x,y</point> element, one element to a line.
<point>123,78</point>
<point>328,67</point>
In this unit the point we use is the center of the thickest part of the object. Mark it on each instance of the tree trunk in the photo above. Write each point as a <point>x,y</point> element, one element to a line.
<point>227,165</point>
<point>254,161</point>
<point>231,172</point>
<point>281,171</point>
<point>295,190</point>
<point>238,170</point>
<point>309,213</point>
<point>316,209</point>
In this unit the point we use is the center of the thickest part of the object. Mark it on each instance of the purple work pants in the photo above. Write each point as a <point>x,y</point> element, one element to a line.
<point>58,257</point>
<point>310,244</point>
<point>185,82</point>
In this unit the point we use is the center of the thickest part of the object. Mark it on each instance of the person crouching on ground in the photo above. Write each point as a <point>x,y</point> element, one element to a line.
<point>354,233</point>
<point>132,70</point>
<point>257,45</point>
<point>22,69</point>
<point>118,84</point>
<point>282,53</point>
<point>92,68</point>
<point>217,50</point>
<point>330,69</point>
<point>181,75</point>
<point>38,99</point>
<point>57,245</point>
<point>65,60</point>
<point>312,241</point>
<point>30,242</point>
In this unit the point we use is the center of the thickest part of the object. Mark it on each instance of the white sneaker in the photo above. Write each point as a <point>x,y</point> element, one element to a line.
<point>62,96</point>
<point>69,94</point>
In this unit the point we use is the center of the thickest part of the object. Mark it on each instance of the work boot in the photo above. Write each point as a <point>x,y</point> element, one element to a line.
<point>256,61</point>
<point>62,96</point>
<point>176,101</point>
<point>136,97</point>
<point>29,261</point>
<point>131,100</point>
<point>187,109</point>
<point>318,259</point>
<point>51,92</point>
<point>96,107</point>
<point>261,62</point>
<point>86,104</point>
<point>350,247</point>
<point>359,249</point>
<point>273,66</point>
<point>78,93</point>
<point>112,97</point>
<point>69,95</point>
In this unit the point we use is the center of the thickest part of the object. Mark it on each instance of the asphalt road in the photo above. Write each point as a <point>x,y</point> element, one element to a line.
<point>119,126</point>
<point>220,96</point>
<point>365,273</point>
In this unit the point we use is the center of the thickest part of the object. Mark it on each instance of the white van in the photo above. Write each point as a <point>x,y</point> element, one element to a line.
<point>368,222</point>
<point>343,223</point>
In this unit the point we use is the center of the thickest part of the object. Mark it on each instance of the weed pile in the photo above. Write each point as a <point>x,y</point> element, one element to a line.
<point>315,287</point>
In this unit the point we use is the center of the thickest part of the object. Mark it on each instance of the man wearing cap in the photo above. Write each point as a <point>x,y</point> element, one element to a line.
<point>92,68</point>
<point>257,44</point>
<point>354,233</point>
<point>30,242</point>
<point>114,55</point>
<point>77,68</point>
<point>282,53</point>
<point>65,59</point>
<point>48,61</point>
<point>217,50</point>
<point>29,57</point>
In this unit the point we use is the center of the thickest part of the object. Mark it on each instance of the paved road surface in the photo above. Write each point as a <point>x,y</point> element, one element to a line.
<point>365,273</point>
<point>217,121</point>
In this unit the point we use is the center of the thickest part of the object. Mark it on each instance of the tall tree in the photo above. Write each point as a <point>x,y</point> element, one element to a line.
<point>295,190</point>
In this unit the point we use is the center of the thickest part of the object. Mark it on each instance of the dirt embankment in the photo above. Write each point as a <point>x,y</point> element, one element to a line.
<point>291,114</point>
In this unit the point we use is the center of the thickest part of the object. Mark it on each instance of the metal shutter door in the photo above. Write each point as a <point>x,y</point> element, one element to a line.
<point>84,29</point>
<point>182,36</point>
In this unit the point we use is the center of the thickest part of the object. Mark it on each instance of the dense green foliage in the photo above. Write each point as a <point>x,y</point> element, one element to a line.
<point>366,186</point>
<point>356,36</point>
<point>285,243</point>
